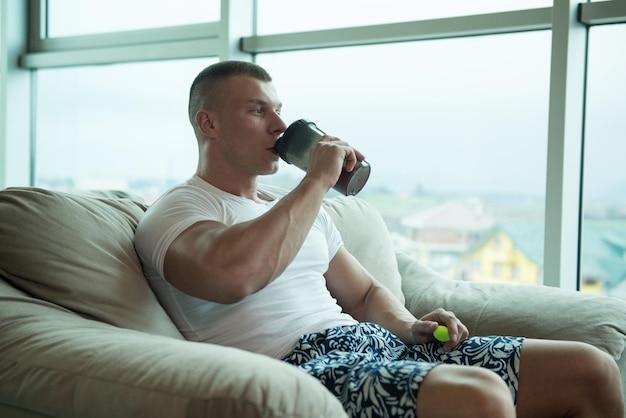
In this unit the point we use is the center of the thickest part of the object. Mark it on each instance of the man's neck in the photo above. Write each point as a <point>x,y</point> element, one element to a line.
<point>247,189</point>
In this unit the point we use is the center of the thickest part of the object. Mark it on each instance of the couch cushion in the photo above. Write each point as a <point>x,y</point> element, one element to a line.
<point>528,311</point>
<point>365,235</point>
<point>77,252</point>
<point>54,363</point>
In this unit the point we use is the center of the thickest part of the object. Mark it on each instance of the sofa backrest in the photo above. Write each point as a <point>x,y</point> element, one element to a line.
<point>366,236</point>
<point>77,252</point>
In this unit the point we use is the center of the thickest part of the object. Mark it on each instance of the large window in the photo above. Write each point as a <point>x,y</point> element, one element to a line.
<point>122,126</point>
<point>468,130</point>
<point>455,131</point>
<point>603,265</point>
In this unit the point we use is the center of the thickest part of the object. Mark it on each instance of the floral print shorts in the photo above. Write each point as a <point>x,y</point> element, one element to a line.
<point>374,374</point>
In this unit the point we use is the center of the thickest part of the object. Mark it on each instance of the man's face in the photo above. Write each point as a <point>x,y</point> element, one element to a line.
<point>248,125</point>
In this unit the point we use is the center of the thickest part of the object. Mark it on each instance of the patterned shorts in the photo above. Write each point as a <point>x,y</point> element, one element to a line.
<point>374,374</point>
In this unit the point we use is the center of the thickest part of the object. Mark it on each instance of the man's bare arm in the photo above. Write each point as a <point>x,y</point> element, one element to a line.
<point>224,264</point>
<point>363,297</point>
<point>220,263</point>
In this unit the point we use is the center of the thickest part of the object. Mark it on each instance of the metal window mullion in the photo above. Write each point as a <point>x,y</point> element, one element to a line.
<point>127,38</point>
<point>603,12</point>
<point>133,53</point>
<point>565,147</point>
<point>492,23</point>
<point>37,27</point>
<point>15,94</point>
<point>236,21</point>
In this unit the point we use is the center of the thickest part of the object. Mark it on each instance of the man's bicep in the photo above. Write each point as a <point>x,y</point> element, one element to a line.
<point>184,265</point>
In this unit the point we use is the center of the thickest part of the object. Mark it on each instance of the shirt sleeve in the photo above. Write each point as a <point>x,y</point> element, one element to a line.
<point>166,219</point>
<point>333,237</point>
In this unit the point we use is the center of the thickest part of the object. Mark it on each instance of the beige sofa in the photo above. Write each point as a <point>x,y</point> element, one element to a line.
<point>81,335</point>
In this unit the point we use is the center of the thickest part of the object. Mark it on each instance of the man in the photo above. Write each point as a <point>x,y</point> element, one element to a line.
<point>250,266</point>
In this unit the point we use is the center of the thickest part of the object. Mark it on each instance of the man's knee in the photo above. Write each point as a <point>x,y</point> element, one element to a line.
<point>568,378</point>
<point>463,391</point>
<point>604,365</point>
<point>602,375</point>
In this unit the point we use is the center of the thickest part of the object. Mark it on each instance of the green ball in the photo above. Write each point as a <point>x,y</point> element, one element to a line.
<point>441,334</point>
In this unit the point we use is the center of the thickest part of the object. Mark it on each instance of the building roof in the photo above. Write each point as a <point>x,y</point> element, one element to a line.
<point>604,252</point>
<point>527,237</point>
<point>452,215</point>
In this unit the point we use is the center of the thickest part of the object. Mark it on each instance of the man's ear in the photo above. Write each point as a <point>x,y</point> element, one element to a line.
<point>206,123</point>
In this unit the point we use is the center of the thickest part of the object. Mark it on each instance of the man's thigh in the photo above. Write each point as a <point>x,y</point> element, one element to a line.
<point>458,391</point>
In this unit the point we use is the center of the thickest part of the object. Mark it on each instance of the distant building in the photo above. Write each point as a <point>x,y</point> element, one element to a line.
<point>604,256</point>
<point>459,240</point>
<point>440,235</point>
<point>513,253</point>
<point>507,254</point>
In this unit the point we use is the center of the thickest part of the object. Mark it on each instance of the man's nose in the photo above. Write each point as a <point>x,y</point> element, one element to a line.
<point>280,124</point>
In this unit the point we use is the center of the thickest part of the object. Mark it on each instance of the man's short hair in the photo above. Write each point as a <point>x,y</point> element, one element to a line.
<point>205,90</point>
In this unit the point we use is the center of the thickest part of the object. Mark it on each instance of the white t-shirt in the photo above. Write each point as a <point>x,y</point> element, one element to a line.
<point>269,321</point>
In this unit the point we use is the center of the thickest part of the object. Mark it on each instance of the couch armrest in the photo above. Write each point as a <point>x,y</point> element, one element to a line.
<point>56,363</point>
<point>530,311</point>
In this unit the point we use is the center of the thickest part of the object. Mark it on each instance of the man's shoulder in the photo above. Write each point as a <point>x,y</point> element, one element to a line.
<point>175,210</point>
<point>186,193</point>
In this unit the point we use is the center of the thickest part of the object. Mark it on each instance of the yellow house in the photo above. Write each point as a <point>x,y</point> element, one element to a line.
<point>502,258</point>
<point>513,253</point>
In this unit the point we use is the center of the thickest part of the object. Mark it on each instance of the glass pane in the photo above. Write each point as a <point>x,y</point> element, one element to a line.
<point>455,131</point>
<point>282,16</point>
<point>603,266</point>
<point>79,17</point>
<point>116,127</point>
